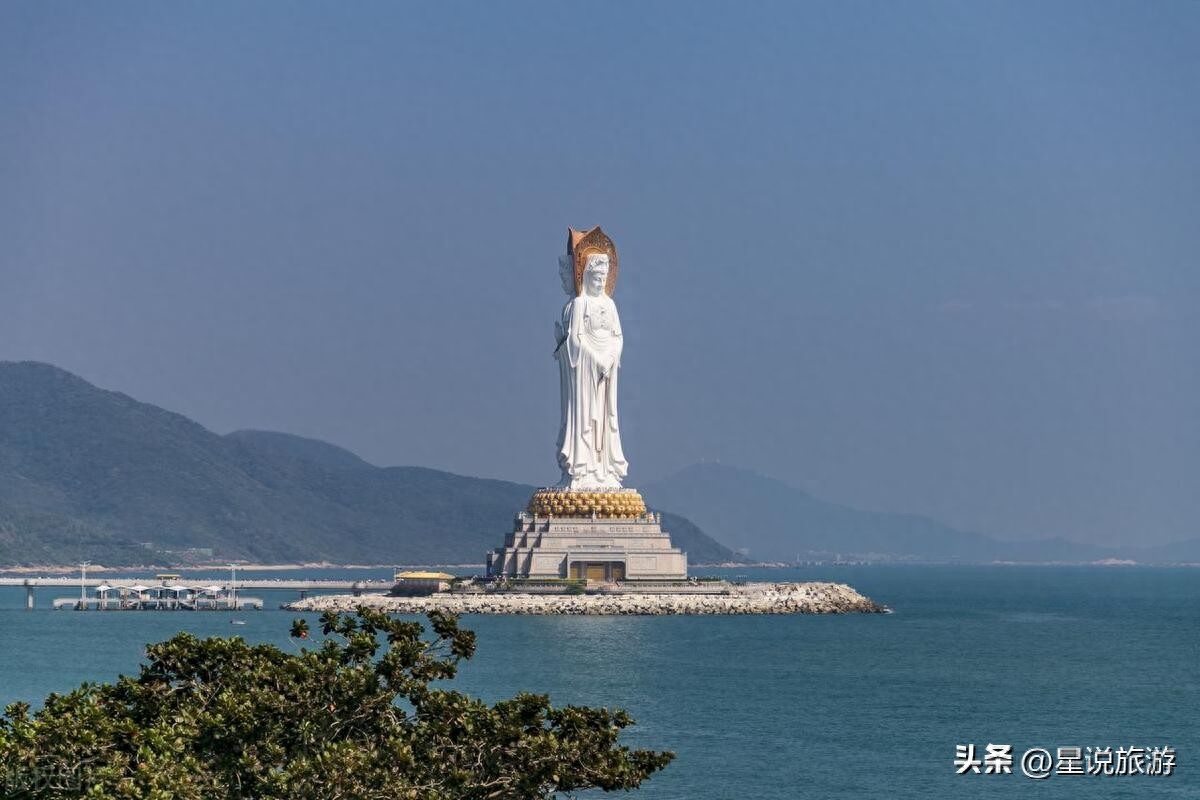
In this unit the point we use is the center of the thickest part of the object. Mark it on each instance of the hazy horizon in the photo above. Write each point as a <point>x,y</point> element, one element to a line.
<point>931,258</point>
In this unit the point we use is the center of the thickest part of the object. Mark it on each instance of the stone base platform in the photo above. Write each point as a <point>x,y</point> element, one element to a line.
<point>754,598</point>
<point>599,548</point>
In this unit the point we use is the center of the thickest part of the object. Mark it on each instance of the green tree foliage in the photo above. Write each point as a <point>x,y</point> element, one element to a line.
<point>355,716</point>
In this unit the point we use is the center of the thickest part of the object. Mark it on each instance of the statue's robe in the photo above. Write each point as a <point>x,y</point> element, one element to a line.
<point>565,389</point>
<point>590,453</point>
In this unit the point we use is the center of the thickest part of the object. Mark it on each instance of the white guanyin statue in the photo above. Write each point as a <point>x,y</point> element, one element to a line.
<point>589,344</point>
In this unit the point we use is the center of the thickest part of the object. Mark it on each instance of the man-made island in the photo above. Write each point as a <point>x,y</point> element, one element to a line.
<point>752,598</point>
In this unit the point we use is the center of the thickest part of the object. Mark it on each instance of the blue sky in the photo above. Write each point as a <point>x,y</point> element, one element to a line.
<point>930,257</point>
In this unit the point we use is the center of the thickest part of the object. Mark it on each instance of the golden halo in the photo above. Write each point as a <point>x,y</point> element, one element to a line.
<point>581,244</point>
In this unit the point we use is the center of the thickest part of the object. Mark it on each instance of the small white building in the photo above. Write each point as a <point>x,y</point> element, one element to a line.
<point>416,582</point>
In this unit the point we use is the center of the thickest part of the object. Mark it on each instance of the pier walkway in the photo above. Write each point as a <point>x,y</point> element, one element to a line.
<point>301,585</point>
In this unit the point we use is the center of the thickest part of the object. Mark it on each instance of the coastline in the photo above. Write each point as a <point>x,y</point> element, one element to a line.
<point>73,569</point>
<point>24,569</point>
<point>754,598</point>
<point>214,567</point>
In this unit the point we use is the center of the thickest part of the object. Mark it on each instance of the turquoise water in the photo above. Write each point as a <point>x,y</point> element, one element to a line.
<point>787,707</point>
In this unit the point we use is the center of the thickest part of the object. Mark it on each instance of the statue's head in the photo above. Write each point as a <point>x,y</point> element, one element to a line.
<point>566,274</point>
<point>595,274</point>
<point>592,251</point>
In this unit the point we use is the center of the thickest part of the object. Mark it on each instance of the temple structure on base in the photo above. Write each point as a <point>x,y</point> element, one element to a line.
<point>588,527</point>
<point>593,545</point>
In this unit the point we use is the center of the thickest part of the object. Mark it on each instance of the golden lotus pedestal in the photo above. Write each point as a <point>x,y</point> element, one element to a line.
<point>612,504</point>
<point>599,536</point>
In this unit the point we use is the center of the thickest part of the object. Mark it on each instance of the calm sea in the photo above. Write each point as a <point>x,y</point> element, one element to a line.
<point>787,707</point>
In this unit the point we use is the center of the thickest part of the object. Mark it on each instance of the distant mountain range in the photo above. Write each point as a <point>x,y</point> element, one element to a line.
<point>767,520</point>
<point>93,474</point>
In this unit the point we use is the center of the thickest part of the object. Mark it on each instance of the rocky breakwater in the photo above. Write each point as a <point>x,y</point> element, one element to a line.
<point>755,598</point>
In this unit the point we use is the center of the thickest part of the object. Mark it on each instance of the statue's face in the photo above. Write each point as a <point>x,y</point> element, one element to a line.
<point>566,274</point>
<point>596,275</point>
